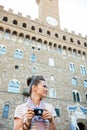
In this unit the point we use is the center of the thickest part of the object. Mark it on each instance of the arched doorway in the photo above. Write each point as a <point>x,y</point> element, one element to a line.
<point>81,126</point>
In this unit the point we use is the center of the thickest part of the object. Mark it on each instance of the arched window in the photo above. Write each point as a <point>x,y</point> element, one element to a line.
<point>76,96</point>
<point>72,67</point>
<point>5,111</point>
<point>85,83</point>
<point>24,25</point>
<point>18,54</point>
<point>33,58</point>
<point>74,81</point>
<point>15,22</point>
<point>83,70</point>
<point>5,19</point>
<point>14,86</point>
<point>2,49</point>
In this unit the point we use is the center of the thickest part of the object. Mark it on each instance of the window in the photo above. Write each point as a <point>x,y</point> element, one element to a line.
<point>76,96</point>
<point>33,28</point>
<point>82,70</point>
<point>51,62</point>
<point>15,22</point>
<point>14,86</point>
<point>64,37</point>
<point>5,111</point>
<point>18,54</point>
<point>86,96</point>
<point>52,77</point>
<point>24,25</point>
<point>5,19</point>
<point>74,81</point>
<point>2,49</point>
<point>52,93</point>
<point>71,40</point>
<point>40,30</point>
<point>57,112</point>
<point>33,58</point>
<point>7,35</point>
<point>16,66</point>
<point>72,67</point>
<point>85,83</point>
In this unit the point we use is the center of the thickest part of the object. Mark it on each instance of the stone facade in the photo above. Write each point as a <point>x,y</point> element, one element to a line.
<point>29,47</point>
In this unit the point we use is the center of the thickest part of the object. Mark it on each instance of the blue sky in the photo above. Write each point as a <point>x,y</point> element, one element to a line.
<point>73,13</point>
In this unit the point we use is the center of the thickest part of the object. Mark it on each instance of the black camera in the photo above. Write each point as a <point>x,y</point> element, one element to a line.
<point>38,111</point>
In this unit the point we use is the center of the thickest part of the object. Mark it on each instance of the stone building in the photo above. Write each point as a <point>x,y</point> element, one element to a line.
<point>30,47</point>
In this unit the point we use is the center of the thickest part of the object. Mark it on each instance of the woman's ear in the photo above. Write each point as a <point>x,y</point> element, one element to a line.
<point>33,88</point>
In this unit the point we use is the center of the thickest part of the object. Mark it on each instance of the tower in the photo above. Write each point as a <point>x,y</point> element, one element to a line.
<point>49,12</point>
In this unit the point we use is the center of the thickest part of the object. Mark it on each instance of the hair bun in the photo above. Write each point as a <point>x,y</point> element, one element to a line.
<point>29,81</point>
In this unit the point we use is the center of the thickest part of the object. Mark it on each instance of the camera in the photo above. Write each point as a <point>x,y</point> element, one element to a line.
<point>38,111</point>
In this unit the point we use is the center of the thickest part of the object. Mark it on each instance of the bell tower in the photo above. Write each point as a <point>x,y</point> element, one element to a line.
<point>49,12</point>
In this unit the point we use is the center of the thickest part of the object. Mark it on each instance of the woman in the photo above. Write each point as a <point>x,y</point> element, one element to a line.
<point>25,118</point>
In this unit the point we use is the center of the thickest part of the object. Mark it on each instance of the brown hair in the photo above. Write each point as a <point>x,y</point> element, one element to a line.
<point>34,80</point>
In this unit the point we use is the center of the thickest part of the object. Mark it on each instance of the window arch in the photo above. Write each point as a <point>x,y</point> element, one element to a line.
<point>7,34</point>
<point>64,37</point>
<point>71,40</point>
<point>85,83</point>
<point>14,86</point>
<point>33,58</point>
<point>2,49</point>
<point>5,19</point>
<point>76,96</point>
<point>5,111</point>
<point>40,30</point>
<point>83,70</point>
<point>18,54</point>
<point>72,67</point>
<point>15,22</point>
<point>33,28</point>
<point>74,81</point>
<point>24,25</point>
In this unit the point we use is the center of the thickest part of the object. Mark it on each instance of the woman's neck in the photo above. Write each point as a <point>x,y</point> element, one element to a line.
<point>36,100</point>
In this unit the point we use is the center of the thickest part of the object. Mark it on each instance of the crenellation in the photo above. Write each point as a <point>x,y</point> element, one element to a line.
<point>28,17</point>
<point>65,29</point>
<point>1,7</point>
<point>10,11</point>
<point>73,32</point>
<point>20,14</point>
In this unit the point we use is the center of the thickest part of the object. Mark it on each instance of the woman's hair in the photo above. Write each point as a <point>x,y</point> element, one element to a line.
<point>34,80</point>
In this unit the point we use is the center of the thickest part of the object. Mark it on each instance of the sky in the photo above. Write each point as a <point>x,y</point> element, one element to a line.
<point>73,13</point>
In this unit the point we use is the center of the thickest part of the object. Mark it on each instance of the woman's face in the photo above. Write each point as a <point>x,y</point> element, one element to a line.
<point>41,89</point>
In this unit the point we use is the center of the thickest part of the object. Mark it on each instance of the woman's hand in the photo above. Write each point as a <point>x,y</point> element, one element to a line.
<point>27,119</point>
<point>29,114</point>
<point>47,115</point>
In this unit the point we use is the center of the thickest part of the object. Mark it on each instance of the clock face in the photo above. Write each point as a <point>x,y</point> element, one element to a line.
<point>52,21</point>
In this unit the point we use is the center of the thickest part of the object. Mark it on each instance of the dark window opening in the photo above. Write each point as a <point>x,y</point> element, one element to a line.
<point>57,112</point>
<point>16,67</point>
<point>15,22</point>
<point>24,25</point>
<point>56,35</point>
<point>48,32</point>
<point>5,19</point>
<point>71,40</point>
<point>64,37</point>
<point>32,28</point>
<point>40,30</point>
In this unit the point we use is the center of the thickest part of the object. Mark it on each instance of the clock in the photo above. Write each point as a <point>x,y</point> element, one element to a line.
<point>51,20</point>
